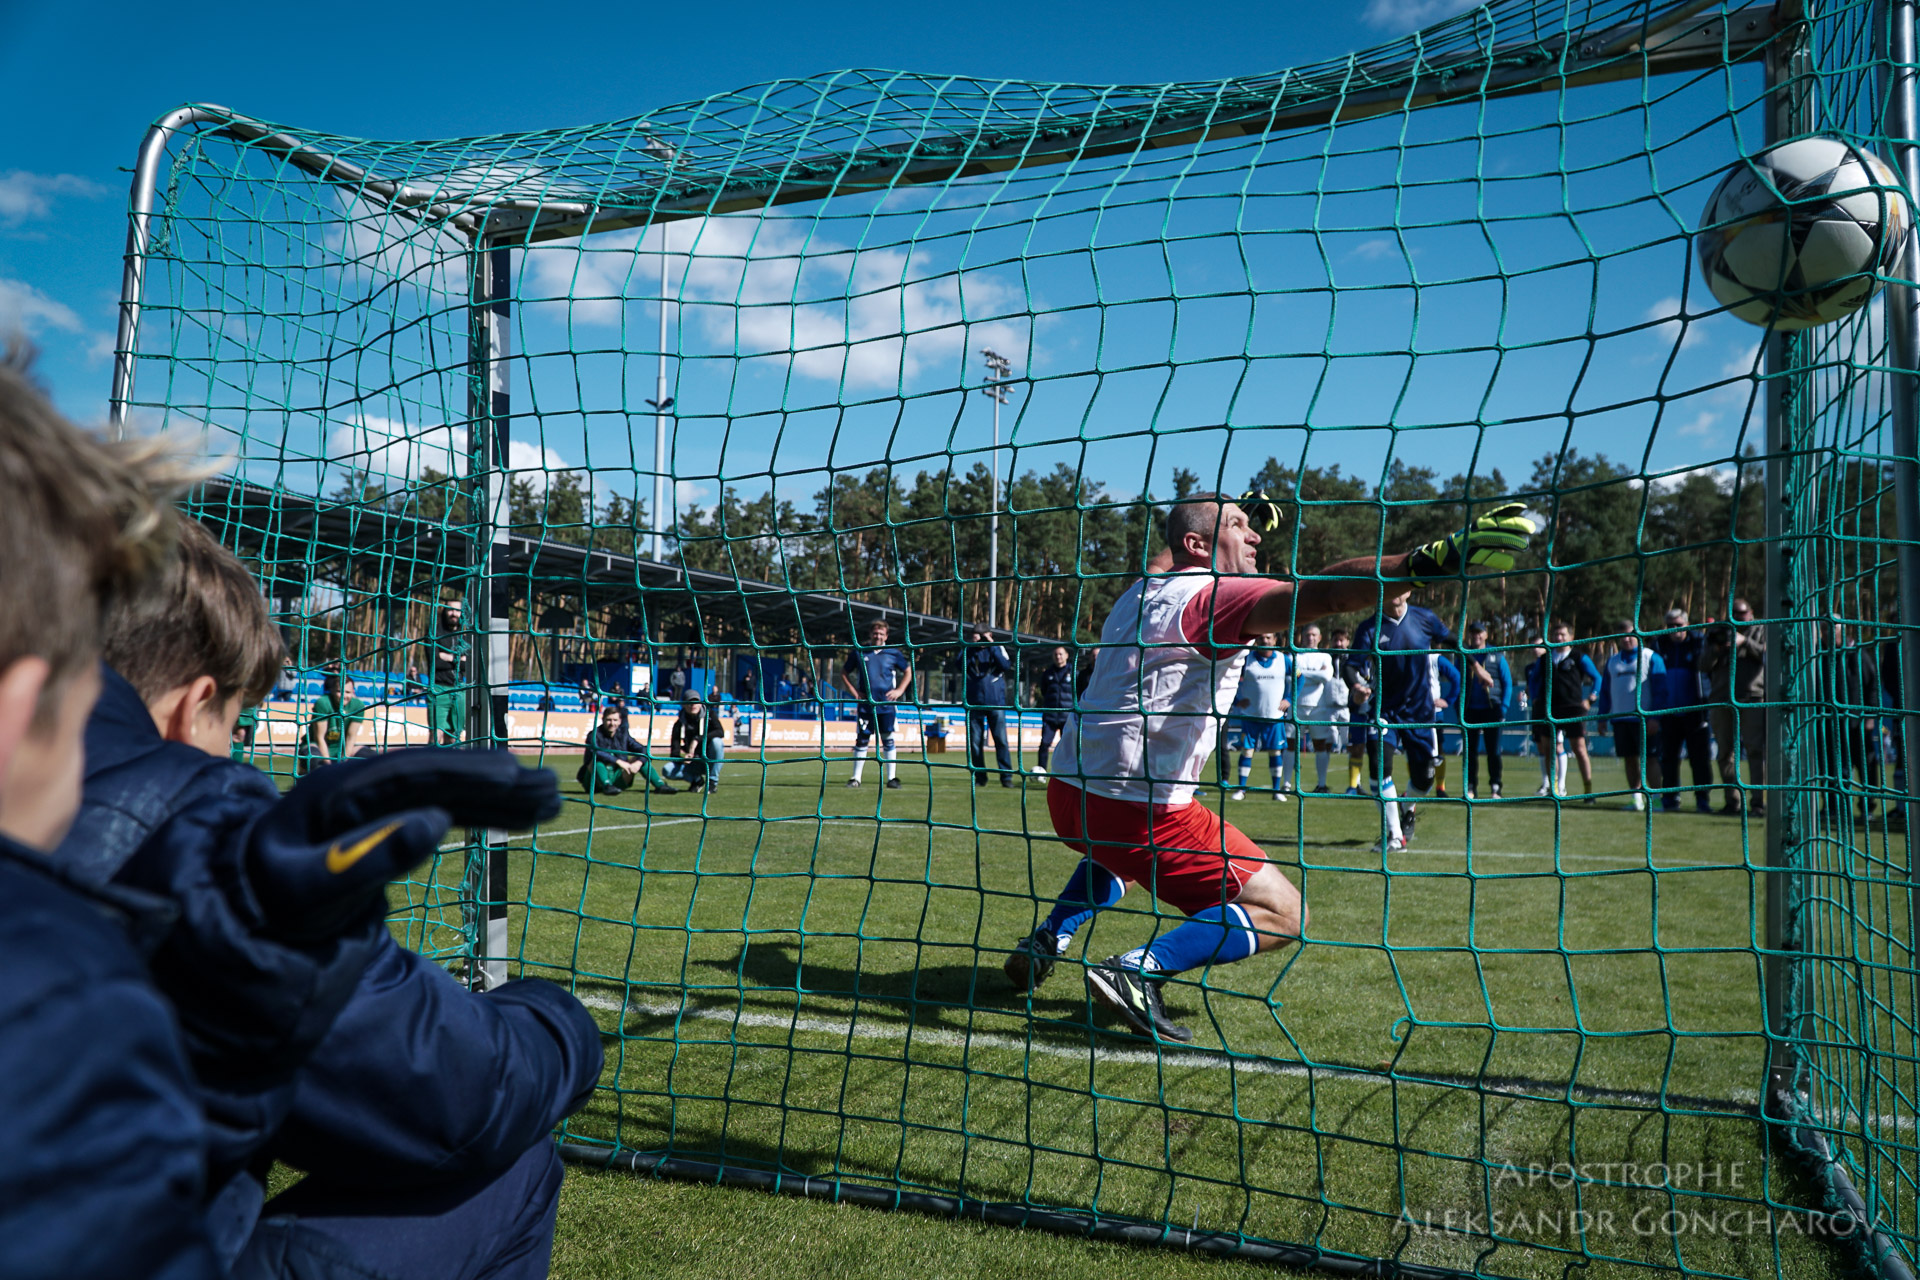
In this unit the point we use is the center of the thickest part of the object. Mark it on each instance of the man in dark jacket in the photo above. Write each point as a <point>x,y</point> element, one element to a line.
<point>418,1108</point>
<point>1683,723</point>
<point>1053,693</point>
<point>988,669</point>
<point>1850,735</point>
<point>1736,664</point>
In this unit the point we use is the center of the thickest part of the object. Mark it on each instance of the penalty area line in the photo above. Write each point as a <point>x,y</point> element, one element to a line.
<point>1201,1059</point>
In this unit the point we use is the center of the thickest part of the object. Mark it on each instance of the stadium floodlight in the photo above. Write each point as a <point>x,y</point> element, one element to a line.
<point>661,402</point>
<point>999,372</point>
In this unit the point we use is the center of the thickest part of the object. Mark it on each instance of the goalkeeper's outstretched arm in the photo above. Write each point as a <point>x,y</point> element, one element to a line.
<point>1490,544</point>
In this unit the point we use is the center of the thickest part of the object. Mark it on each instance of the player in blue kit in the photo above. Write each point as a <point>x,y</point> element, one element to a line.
<point>877,676</point>
<point>1260,713</point>
<point>1393,655</point>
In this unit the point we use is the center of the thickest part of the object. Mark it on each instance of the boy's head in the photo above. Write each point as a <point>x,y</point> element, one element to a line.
<point>81,521</point>
<point>200,646</point>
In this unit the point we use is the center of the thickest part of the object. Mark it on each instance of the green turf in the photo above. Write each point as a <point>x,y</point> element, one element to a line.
<point>789,983</point>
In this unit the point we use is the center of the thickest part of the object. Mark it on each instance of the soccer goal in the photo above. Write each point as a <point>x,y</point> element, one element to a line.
<point>664,417</point>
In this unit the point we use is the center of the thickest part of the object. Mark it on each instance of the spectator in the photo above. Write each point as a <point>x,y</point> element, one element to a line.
<point>1358,691</point>
<point>878,676</point>
<point>1631,688</point>
<point>987,669</point>
<point>1892,681</point>
<point>1683,719</point>
<point>244,728</point>
<point>1319,699</point>
<point>589,700</point>
<point>1852,730</point>
<point>1736,658</point>
<point>615,758</point>
<point>1053,692</point>
<point>1541,730</point>
<point>1446,710</point>
<point>334,721</point>
<point>1260,713</point>
<point>1489,685</point>
<point>446,673</point>
<point>1573,683</point>
<point>698,744</point>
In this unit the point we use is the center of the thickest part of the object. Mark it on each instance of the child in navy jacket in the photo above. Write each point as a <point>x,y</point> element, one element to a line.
<point>418,1109</point>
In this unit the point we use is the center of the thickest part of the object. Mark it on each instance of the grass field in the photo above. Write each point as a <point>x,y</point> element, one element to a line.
<point>803,977</point>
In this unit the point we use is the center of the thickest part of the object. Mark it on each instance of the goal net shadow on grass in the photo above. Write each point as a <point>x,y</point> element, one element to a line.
<point>1389,291</point>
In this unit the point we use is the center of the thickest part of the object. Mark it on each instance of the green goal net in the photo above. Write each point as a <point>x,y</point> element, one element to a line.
<point>681,406</point>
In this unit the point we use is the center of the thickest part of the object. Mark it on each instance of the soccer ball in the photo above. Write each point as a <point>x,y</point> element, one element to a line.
<point>1800,234</point>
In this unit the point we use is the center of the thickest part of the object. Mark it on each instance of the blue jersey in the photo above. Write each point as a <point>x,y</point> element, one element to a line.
<point>875,672</point>
<point>1394,656</point>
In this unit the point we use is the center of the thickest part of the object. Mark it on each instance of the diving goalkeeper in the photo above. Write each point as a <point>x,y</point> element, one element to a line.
<point>1168,667</point>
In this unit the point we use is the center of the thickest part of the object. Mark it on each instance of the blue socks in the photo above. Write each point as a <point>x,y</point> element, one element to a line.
<point>1091,888</point>
<point>1217,935</point>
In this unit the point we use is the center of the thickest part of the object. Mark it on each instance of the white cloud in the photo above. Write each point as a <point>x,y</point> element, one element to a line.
<point>1406,15</point>
<point>1673,331</point>
<point>26,195</point>
<point>756,286</point>
<point>386,449</point>
<point>24,309</point>
<point>1376,248</point>
<point>1704,423</point>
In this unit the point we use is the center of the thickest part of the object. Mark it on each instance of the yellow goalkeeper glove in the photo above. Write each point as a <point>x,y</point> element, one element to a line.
<point>1263,513</point>
<point>1490,545</point>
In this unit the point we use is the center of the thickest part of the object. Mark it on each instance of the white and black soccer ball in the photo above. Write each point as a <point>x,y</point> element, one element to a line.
<point>1801,234</point>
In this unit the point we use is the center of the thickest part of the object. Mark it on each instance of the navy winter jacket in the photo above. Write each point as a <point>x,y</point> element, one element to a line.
<point>416,1077</point>
<point>987,672</point>
<point>1056,686</point>
<point>102,1142</point>
<point>1685,655</point>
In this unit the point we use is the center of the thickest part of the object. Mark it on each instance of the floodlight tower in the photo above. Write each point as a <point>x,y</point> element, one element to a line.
<point>999,374</point>
<point>661,402</point>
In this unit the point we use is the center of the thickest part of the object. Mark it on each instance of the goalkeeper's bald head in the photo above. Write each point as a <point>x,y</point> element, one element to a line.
<point>1211,529</point>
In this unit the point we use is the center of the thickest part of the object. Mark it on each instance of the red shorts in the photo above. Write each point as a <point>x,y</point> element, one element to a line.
<point>1188,857</point>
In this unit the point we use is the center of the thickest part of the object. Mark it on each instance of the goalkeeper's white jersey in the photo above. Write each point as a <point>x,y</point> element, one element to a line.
<point>1263,688</point>
<point>1319,692</point>
<point>1161,683</point>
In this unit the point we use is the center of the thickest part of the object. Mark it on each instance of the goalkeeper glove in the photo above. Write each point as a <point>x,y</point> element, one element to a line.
<point>322,856</point>
<point>1490,544</point>
<point>1263,513</point>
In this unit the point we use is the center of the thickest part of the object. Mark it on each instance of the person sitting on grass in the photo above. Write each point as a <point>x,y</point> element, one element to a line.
<point>1122,789</point>
<point>698,744</point>
<point>333,727</point>
<point>420,1110</point>
<point>615,758</point>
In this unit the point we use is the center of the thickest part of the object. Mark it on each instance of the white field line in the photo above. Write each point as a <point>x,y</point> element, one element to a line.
<point>1200,1059</point>
<point>1203,1059</point>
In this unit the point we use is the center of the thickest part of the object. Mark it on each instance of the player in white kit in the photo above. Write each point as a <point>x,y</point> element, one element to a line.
<point>1260,712</point>
<point>1319,701</point>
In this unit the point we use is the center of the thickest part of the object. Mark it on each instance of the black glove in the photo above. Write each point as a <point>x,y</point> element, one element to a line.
<point>1263,513</point>
<point>318,859</point>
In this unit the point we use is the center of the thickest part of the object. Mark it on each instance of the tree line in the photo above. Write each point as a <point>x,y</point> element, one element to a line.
<point>1619,546</point>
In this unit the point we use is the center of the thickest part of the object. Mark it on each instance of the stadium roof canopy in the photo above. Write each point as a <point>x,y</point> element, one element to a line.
<point>299,538</point>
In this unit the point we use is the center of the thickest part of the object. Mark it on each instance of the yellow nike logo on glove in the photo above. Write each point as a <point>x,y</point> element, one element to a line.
<point>339,859</point>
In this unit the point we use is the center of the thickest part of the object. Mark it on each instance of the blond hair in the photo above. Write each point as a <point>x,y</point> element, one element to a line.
<point>205,616</point>
<point>83,521</point>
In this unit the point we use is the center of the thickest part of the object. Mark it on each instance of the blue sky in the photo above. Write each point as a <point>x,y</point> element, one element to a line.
<point>85,84</point>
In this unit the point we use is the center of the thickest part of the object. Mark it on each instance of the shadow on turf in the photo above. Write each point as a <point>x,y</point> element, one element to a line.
<point>935,996</point>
